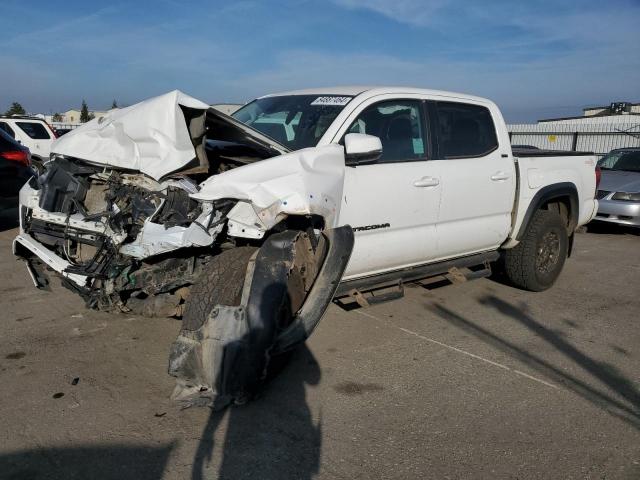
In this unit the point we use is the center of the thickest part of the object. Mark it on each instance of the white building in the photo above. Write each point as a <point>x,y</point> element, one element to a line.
<point>615,113</point>
<point>73,116</point>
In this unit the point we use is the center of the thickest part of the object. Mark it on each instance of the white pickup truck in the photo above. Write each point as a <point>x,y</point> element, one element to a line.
<point>248,226</point>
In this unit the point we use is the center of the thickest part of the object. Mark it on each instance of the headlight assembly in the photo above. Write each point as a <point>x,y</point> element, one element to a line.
<point>626,196</point>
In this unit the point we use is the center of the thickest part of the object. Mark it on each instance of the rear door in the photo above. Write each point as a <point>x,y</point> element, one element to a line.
<point>393,203</point>
<point>477,176</point>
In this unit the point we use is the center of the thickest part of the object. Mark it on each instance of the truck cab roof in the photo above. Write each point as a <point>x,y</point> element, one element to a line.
<point>371,91</point>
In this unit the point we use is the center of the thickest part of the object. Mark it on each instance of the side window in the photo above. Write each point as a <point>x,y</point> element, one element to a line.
<point>398,124</point>
<point>34,130</point>
<point>465,130</point>
<point>5,126</point>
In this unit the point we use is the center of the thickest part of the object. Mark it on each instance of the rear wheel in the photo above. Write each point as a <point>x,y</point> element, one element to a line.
<point>536,262</point>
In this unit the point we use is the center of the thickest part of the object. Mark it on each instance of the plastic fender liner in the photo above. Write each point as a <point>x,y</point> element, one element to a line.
<point>340,245</point>
<point>226,359</point>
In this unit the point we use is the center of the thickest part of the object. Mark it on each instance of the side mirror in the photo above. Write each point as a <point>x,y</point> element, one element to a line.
<point>360,148</point>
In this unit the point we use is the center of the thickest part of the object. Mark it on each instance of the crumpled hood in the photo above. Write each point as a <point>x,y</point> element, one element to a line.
<point>151,136</point>
<point>159,136</point>
<point>618,181</point>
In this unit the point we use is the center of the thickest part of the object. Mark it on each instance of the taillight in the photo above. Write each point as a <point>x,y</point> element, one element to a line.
<point>19,156</point>
<point>598,176</point>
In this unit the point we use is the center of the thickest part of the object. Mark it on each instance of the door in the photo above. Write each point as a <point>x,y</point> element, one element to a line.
<point>392,204</point>
<point>36,136</point>
<point>477,179</point>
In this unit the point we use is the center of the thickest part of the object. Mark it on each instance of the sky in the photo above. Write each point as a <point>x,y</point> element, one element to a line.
<point>535,59</point>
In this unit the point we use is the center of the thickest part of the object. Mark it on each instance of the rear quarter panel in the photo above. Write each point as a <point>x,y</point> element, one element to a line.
<point>536,173</point>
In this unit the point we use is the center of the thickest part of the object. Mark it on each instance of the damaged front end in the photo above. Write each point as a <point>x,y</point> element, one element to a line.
<point>132,216</point>
<point>114,237</point>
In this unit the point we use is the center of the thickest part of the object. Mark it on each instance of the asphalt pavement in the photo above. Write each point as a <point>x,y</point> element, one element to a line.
<point>473,380</point>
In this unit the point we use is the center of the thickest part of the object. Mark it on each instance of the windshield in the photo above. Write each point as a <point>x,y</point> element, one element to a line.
<point>624,161</point>
<point>295,121</point>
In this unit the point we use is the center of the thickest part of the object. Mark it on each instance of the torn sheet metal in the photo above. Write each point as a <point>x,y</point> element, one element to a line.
<point>305,182</point>
<point>151,136</point>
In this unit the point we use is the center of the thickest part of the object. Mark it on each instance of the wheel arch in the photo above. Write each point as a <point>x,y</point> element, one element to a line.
<point>562,197</point>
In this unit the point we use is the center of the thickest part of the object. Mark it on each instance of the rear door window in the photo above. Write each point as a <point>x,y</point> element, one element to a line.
<point>4,126</point>
<point>35,130</point>
<point>465,130</point>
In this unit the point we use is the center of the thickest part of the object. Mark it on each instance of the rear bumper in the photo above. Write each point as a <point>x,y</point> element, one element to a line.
<point>623,213</point>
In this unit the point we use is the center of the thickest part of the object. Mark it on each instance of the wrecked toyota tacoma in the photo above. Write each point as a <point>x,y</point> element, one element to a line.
<point>242,226</point>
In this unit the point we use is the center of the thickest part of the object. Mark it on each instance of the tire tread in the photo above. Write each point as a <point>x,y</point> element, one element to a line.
<point>221,283</point>
<point>520,261</point>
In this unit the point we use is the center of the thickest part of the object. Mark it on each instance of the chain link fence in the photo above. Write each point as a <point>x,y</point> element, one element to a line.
<point>599,138</point>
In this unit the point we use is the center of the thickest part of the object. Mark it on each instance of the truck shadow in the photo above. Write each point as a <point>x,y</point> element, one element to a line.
<point>112,462</point>
<point>611,229</point>
<point>273,437</point>
<point>628,409</point>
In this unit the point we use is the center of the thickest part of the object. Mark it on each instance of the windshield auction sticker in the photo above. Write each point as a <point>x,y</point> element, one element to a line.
<point>335,101</point>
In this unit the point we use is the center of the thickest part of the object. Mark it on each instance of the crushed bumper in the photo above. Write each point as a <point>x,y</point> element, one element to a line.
<point>26,247</point>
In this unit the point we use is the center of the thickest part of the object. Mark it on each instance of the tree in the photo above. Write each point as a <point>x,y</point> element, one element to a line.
<point>56,117</point>
<point>15,109</point>
<point>114,104</point>
<point>84,112</point>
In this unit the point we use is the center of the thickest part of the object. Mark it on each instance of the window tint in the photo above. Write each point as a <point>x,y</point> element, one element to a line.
<point>465,130</point>
<point>35,130</point>
<point>6,128</point>
<point>398,124</point>
<point>625,161</point>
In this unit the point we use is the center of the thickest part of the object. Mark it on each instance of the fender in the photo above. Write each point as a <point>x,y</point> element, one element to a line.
<point>340,245</point>
<point>547,194</point>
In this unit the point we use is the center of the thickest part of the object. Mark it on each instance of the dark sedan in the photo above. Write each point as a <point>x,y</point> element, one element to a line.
<point>15,170</point>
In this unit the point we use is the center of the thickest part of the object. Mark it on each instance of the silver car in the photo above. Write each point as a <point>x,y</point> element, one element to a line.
<point>619,191</point>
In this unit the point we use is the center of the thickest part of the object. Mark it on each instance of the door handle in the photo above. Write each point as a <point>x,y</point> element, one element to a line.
<point>427,182</point>
<point>499,176</point>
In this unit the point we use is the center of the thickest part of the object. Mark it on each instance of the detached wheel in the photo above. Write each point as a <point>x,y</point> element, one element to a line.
<point>536,262</point>
<point>220,284</point>
<point>223,351</point>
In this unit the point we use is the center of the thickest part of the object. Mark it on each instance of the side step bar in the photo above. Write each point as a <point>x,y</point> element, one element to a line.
<point>419,272</point>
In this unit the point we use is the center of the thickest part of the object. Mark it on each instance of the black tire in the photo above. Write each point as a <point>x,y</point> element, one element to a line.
<point>220,284</point>
<point>536,262</point>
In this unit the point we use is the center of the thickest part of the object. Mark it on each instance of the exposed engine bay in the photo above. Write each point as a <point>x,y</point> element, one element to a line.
<point>116,229</point>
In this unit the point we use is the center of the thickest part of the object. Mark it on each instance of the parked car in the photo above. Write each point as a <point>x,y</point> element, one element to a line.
<point>619,191</point>
<point>169,207</point>
<point>15,170</point>
<point>33,133</point>
<point>61,131</point>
